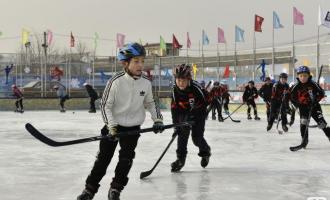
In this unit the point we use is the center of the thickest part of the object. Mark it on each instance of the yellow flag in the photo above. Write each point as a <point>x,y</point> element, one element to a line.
<point>194,69</point>
<point>25,36</point>
<point>307,62</point>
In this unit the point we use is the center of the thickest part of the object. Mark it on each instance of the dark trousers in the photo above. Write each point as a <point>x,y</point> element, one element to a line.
<point>250,103</point>
<point>197,134</point>
<point>275,111</point>
<point>92,103</point>
<point>225,104</point>
<point>104,156</point>
<point>62,100</point>
<point>19,104</point>
<point>216,107</point>
<point>317,116</point>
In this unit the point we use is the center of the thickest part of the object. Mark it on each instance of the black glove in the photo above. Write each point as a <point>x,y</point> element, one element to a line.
<point>158,127</point>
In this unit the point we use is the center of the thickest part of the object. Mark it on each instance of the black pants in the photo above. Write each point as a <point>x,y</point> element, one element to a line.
<point>225,104</point>
<point>62,100</point>
<point>92,103</point>
<point>104,156</point>
<point>275,111</point>
<point>19,104</point>
<point>197,134</point>
<point>254,106</point>
<point>216,107</point>
<point>317,116</point>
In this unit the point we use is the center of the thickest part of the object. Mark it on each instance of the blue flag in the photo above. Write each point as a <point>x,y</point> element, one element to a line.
<point>205,39</point>
<point>263,71</point>
<point>239,34</point>
<point>276,21</point>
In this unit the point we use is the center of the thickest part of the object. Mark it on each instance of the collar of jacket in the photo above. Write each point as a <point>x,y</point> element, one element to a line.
<point>130,77</point>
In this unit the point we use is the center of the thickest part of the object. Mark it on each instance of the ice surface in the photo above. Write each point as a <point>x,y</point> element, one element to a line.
<point>246,162</point>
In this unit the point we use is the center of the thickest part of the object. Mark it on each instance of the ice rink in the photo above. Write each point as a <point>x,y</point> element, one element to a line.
<point>247,163</point>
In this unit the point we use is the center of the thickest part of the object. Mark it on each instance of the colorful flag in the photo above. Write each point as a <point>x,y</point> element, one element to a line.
<point>324,18</point>
<point>205,39</point>
<point>221,36</point>
<point>298,17</point>
<point>239,34</point>
<point>175,42</point>
<point>162,44</point>
<point>194,70</point>
<point>49,37</point>
<point>72,40</point>
<point>226,73</point>
<point>120,40</point>
<point>258,23</point>
<point>276,21</point>
<point>188,41</point>
<point>96,38</point>
<point>25,36</point>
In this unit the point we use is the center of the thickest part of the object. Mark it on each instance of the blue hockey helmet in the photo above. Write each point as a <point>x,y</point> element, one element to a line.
<point>131,50</point>
<point>303,69</point>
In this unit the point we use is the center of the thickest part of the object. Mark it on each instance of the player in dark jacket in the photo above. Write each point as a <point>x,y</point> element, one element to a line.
<point>265,92</point>
<point>188,103</point>
<point>215,98</point>
<point>249,95</point>
<point>19,99</point>
<point>225,98</point>
<point>93,97</point>
<point>279,102</point>
<point>306,95</point>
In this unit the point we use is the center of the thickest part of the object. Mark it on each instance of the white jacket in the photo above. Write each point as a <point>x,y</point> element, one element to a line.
<point>124,101</point>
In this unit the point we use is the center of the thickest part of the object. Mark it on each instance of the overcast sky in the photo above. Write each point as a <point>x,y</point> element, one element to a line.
<point>148,19</point>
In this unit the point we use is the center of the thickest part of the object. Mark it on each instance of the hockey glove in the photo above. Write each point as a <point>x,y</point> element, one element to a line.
<point>158,127</point>
<point>109,131</point>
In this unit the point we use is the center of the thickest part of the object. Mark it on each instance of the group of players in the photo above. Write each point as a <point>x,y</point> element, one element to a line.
<point>129,93</point>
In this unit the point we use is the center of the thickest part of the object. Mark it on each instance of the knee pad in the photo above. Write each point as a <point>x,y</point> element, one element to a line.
<point>304,121</point>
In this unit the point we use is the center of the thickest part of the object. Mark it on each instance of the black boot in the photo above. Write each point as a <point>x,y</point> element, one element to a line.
<point>92,111</point>
<point>177,165</point>
<point>205,161</point>
<point>285,128</point>
<point>269,126</point>
<point>114,194</point>
<point>249,117</point>
<point>256,117</point>
<point>214,117</point>
<point>85,195</point>
<point>220,118</point>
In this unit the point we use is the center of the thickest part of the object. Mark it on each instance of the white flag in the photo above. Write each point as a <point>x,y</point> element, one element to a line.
<point>324,18</point>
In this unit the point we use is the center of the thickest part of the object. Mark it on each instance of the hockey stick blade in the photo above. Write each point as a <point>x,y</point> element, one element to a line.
<point>46,140</point>
<point>297,148</point>
<point>234,120</point>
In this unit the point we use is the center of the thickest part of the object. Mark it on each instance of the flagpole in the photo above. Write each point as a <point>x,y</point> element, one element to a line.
<point>116,59</point>
<point>273,49</point>
<point>254,55</point>
<point>318,51</point>
<point>293,54</point>
<point>187,58</point>
<point>219,63</point>
<point>93,72</point>
<point>69,73</point>
<point>235,66</point>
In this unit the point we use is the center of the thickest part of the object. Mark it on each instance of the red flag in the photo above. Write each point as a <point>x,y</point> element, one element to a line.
<point>257,23</point>
<point>175,43</point>
<point>71,40</point>
<point>188,41</point>
<point>226,72</point>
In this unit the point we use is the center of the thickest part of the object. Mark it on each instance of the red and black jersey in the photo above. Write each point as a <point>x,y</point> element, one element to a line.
<point>190,101</point>
<point>17,93</point>
<point>278,90</point>
<point>250,93</point>
<point>300,93</point>
<point>216,92</point>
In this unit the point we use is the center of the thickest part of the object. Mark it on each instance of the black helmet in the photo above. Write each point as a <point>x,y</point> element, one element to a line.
<point>131,50</point>
<point>252,82</point>
<point>283,75</point>
<point>267,79</point>
<point>182,71</point>
<point>216,83</point>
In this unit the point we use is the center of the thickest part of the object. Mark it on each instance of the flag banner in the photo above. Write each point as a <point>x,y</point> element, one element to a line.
<point>162,44</point>
<point>72,40</point>
<point>239,34</point>
<point>194,70</point>
<point>188,41</point>
<point>120,40</point>
<point>276,21</point>
<point>49,37</point>
<point>298,17</point>
<point>324,18</point>
<point>258,23</point>
<point>175,42</point>
<point>221,36</point>
<point>226,73</point>
<point>205,39</point>
<point>25,36</point>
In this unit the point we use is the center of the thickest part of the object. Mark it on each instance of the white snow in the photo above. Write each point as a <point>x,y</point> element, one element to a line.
<point>247,163</point>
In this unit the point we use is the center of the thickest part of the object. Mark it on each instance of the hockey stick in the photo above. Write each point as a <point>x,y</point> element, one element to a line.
<point>147,173</point>
<point>297,148</point>
<point>37,134</point>
<point>234,111</point>
<point>280,114</point>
